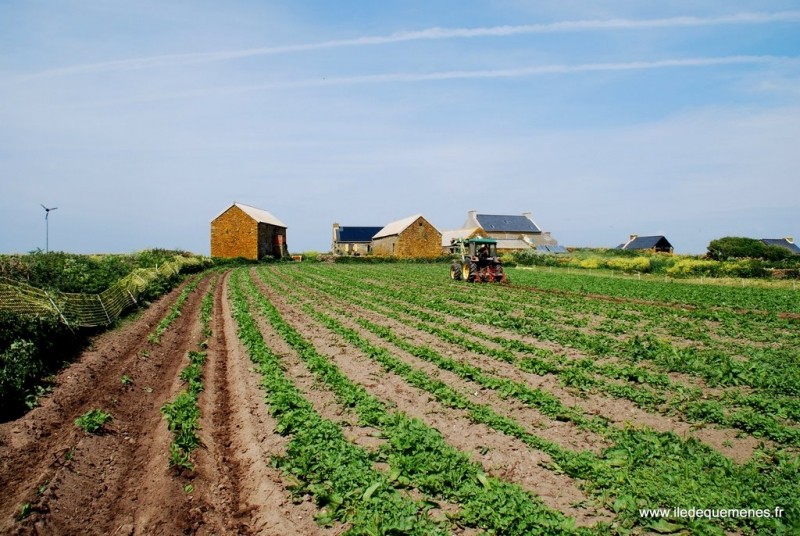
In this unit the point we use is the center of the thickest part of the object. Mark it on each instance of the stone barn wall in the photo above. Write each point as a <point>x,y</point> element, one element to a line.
<point>420,239</point>
<point>235,234</point>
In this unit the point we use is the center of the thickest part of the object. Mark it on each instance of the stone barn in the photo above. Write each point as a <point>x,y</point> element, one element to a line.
<point>248,232</point>
<point>409,237</point>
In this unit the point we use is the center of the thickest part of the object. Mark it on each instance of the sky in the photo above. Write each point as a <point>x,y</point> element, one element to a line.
<point>142,121</point>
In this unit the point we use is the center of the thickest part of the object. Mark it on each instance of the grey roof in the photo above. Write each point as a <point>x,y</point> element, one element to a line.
<point>646,242</point>
<point>782,243</point>
<point>356,234</point>
<point>493,223</point>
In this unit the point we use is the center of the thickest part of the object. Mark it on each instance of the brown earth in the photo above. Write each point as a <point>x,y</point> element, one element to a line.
<point>119,481</point>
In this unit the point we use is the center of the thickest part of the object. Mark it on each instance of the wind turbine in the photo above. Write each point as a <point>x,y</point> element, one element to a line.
<point>47,227</point>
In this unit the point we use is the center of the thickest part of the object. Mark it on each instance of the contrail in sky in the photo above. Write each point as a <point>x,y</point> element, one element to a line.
<point>518,72</point>
<point>418,35</point>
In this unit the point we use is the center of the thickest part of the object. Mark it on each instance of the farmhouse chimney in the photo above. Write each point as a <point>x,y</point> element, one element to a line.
<point>790,239</point>
<point>634,237</point>
<point>528,215</point>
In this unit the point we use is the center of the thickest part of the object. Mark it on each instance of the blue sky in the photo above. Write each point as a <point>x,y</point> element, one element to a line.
<point>141,121</point>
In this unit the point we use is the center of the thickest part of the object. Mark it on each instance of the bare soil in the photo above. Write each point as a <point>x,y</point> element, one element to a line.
<point>119,481</point>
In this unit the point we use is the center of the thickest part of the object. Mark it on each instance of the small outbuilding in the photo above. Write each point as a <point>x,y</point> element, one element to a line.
<point>352,240</point>
<point>655,244</point>
<point>410,237</point>
<point>247,232</point>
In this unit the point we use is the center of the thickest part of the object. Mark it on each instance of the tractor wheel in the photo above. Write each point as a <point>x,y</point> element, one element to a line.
<point>469,272</point>
<point>474,274</point>
<point>455,271</point>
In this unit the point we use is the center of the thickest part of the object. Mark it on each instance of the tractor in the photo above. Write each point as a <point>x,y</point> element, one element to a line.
<point>479,261</point>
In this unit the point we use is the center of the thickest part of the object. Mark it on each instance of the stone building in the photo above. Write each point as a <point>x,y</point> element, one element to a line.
<point>350,240</point>
<point>247,232</point>
<point>513,232</point>
<point>410,237</point>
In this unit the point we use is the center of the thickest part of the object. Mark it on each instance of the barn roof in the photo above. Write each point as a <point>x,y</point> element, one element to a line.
<point>786,243</point>
<point>645,242</point>
<point>261,216</point>
<point>494,223</point>
<point>356,234</point>
<point>397,227</point>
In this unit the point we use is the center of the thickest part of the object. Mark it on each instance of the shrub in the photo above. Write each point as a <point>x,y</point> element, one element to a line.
<point>736,247</point>
<point>18,365</point>
<point>636,264</point>
<point>311,256</point>
<point>744,268</point>
<point>694,267</point>
<point>508,260</point>
<point>591,263</point>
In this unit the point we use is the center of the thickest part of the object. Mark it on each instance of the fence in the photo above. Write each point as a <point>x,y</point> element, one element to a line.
<point>87,310</point>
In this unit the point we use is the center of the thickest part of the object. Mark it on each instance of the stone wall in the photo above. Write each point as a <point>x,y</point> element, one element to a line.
<point>234,234</point>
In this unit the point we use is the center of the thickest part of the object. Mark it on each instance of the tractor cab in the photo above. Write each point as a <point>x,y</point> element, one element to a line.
<point>479,261</point>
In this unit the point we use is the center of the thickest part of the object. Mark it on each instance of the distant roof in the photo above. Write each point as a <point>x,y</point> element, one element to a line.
<point>513,243</point>
<point>506,224</point>
<point>551,249</point>
<point>397,227</point>
<point>448,236</point>
<point>645,242</point>
<point>357,234</point>
<point>785,243</point>
<point>261,216</point>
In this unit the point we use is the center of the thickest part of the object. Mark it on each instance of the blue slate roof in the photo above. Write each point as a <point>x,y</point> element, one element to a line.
<point>357,234</point>
<point>646,242</point>
<point>506,224</point>
<point>782,243</point>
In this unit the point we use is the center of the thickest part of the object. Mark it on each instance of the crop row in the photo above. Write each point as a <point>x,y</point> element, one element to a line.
<point>583,373</point>
<point>183,412</point>
<point>641,468</point>
<point>419,455</point>
<point>708,296</point>
<point>174,312</point>
<point>767,368</point>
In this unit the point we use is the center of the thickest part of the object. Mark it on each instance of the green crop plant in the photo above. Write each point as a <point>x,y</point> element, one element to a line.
<point>93,420</point>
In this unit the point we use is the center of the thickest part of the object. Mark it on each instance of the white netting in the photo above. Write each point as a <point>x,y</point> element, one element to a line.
<point>87,310</point>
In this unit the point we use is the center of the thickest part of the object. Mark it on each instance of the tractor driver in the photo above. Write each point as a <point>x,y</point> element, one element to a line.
<point>483,253</point>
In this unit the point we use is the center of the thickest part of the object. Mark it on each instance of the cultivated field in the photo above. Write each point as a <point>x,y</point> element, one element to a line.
<point>387,399</point>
